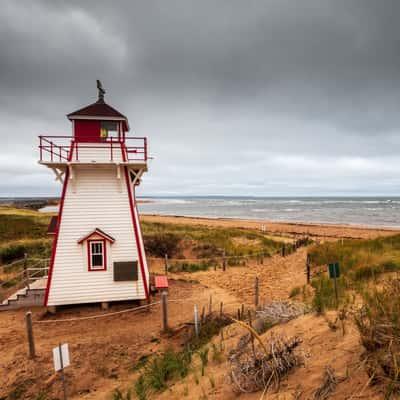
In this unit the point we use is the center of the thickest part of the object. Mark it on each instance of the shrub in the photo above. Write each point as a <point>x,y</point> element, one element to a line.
<point>295,291</point>
<point>160,370</point>
<point>189,267</point>
<point>160,244</point>
<point>15,250</point>
<point>325,296</point>
<point>379,324</point>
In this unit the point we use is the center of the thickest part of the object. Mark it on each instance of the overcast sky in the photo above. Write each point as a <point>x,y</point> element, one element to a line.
<point>274,97</point>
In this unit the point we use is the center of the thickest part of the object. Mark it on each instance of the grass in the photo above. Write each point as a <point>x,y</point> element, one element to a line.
<point>211,242</point>
<point>14,250</point>
<point>189,267</point>
<point>23,231</point>
<point>360,262</point>
<point>160,370</point>
<point>379,324</point>
<point>16,224</point>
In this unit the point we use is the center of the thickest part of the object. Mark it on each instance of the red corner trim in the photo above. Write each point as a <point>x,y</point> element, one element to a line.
<point>54,249</point>
<point>136,230</point>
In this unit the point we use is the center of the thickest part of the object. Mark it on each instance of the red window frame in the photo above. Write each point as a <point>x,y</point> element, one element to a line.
<point>92,268</point>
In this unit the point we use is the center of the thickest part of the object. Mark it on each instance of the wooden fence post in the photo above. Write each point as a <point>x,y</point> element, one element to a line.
<point>210,305</point>
<point>251,336</point>
<point>223,261</point>
<point>196,321</point>
<point>262,258</point>
<point>29,332</point>
<point>308,268</point>
<point>220,308</point>
<point>26,272</point>
<point>164,311</point>
<point>166,264</point>
<point>256,292</point>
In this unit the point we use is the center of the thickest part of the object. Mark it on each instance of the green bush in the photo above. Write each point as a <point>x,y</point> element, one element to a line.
<point>160,370</point>
<point>189,267</point>
<point>160,244</point>
<point>325,296</point>
<point>295,291</point>
<point>34,248</point>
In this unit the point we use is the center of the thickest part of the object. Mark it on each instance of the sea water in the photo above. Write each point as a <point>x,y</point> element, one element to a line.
<point>373,211</point>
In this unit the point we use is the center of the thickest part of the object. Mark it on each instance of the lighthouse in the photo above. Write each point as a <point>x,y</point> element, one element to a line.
<point>98,253</point>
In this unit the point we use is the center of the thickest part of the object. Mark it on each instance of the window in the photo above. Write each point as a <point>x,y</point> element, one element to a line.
<point>108,129</point>
<point>97,255</point>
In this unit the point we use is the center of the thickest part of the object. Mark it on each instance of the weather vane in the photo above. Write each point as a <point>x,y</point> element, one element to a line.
<point>102,92</point>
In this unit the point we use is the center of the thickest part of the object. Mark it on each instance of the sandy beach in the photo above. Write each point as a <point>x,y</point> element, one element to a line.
<point>333,231</point>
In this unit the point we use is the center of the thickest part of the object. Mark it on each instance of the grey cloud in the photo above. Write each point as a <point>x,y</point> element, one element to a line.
<point>222,89</point>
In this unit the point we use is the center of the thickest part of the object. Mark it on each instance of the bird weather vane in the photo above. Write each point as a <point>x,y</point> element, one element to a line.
<point>101,90</point>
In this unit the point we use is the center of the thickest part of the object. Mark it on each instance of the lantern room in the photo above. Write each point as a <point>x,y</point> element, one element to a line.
<point>99,135</point>
<point>98,122</point>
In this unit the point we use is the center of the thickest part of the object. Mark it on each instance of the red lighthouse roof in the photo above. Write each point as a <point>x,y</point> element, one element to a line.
<point>99,110</point>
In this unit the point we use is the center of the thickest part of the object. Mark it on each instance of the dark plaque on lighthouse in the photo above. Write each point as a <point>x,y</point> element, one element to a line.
<point>125,271</point>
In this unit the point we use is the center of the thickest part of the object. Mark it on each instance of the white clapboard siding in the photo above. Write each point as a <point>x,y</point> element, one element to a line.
<point>97,152</point>
<point>94,200</point>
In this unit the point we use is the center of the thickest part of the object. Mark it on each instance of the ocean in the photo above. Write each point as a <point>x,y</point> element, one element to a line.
<point>370,211</point>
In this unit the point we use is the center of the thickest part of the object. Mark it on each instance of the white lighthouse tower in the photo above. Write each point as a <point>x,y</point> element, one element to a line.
<point>98,253</point>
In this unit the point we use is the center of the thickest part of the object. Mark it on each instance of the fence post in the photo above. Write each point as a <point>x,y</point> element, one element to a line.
<point>308,268</point>
<point>164,311</point>
<point>256,292</point>
<point>202,315</point>
<point>210,305</point>
<point>251,336</point>
<point>220,308</point>
<point>262,258</point>
<point>196,321</point>
<point>26,272</point>
<point>166,264</point>
<point>29,332</point>
<point>223,261</point>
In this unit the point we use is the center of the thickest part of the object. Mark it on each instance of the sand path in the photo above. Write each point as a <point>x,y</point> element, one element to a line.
<point>277,276</point>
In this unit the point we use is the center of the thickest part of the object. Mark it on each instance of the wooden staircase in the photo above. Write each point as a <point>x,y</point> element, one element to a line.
<point>27,296</point>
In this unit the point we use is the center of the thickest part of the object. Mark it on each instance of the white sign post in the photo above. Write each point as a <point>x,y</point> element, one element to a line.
<point>61,360</point>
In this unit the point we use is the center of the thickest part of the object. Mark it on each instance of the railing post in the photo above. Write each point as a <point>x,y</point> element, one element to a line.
<point>51,150</point>
<point>41,148</point>
<point>26,272</point>
<point>145,149</point>
<point>111,149</point>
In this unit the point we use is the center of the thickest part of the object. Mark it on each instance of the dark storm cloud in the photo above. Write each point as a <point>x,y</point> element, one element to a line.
<point>231,93</point>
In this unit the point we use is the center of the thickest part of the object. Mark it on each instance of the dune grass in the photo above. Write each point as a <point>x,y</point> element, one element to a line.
<point>23,231</point>
<point>361,261</point>
<point>211,242</point>
<point>17,224</point>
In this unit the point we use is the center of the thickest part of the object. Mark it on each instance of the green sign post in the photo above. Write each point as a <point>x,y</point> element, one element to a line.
<point>334,273</point>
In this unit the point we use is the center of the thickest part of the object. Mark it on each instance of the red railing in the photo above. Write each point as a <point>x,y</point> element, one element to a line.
<point>65,148</point>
